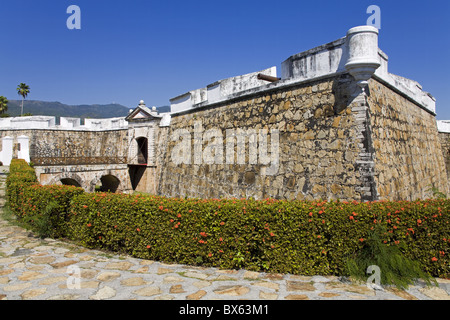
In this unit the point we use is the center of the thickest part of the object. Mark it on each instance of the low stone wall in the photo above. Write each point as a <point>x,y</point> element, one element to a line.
<point>67,147</point>
<point>114,176</point>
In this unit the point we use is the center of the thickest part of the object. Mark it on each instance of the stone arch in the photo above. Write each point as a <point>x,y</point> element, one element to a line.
<point>110,183</point>
<point>105,183</point>
<point>70,182</point>
<point>67,179</point>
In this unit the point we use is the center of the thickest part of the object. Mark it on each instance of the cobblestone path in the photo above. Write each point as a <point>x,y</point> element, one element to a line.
<point>47,269</point>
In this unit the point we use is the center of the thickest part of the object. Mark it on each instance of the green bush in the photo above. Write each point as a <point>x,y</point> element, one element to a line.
<point>398,270</point>
<point>281,236</point>
<point>44,208</point>
<point>41,208</point>
<point>20,176</point>
<point>298,237</point>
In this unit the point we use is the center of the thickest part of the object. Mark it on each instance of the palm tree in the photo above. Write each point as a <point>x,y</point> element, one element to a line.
<point>23,90</point>
<point>3,104</point>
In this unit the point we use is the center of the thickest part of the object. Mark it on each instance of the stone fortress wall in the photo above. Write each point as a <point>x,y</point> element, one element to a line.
<point>444,136</point>
<point>80,154</point>
<point>335,125</point>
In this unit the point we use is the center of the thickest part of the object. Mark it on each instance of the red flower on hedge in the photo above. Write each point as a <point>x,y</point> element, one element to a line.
<point>362,239</point>
<point>434,259</point>
<point>89,225</point>
<point>138,229</point>
<point>272,234</point>
<point>148,246</point>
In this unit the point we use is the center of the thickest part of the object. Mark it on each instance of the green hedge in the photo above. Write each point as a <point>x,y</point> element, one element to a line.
<point>42,208</point>
<point>281,236</point>
<point>299,237</point>
<point>20,176</point>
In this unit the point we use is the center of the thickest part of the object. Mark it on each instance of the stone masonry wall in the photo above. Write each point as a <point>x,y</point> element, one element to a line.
<point>445,143</point>
<point>75,147</point>
<point>408,157</point>
<point>319,145</point>
<point>325,140</point>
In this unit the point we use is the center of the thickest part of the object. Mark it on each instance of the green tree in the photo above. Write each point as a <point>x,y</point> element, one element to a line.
<point>23,90</point>
<point>3,104</point>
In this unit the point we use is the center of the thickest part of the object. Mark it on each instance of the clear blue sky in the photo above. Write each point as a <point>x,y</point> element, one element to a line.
<point>129,50</point>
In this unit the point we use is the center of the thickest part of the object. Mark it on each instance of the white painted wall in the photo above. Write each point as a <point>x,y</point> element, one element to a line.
<point>220,90</point>
<point>44,122</point>
<point>6,152</point>
<point>443,125</point>
<point>24,149</point>
<point>69,123</point>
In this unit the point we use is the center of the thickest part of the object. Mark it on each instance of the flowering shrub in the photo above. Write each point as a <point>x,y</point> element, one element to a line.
<point>44,208</point>
<point>299,237</point>
<point>281,236</point>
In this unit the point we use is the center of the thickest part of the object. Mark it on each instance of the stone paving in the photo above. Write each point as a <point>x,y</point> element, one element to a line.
<point>48,269</point>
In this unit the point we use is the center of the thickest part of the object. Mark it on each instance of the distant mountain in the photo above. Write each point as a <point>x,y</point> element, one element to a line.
<point>163,109</point>
<point>58,109</point>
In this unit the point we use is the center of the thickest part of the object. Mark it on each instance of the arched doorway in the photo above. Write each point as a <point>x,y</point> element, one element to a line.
<point>70,182</point>
<point>109,183</point>
<point>142,154</point>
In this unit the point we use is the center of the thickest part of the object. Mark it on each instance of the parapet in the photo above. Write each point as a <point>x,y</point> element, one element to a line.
<point>443,126</point>
<point>220,90</point>
<point>357,54</point>
<point>32,122</point>
<point>106,124</point>
<point>66,123</point>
